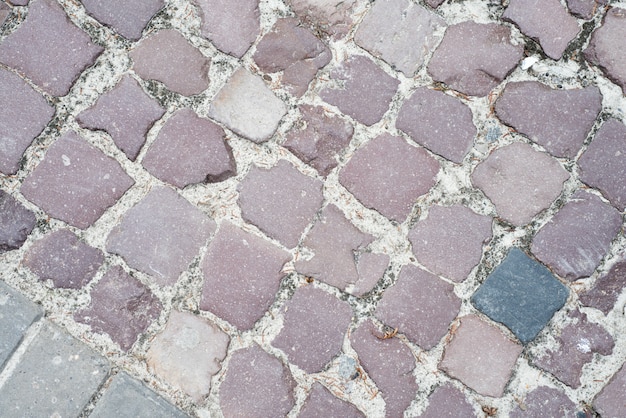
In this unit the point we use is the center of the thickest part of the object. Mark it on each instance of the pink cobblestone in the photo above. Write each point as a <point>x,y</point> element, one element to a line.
<point>604,49</point>
<point>321,401</point>
<point>127,18</point>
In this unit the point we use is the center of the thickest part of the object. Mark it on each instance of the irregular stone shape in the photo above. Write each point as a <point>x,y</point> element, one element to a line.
<point>521,294</point>
<point>190,150</point>
<point>584,9</point>
<point>327,17</point>
<point>371,267</point>
<point>121,306</point>
<point>256,384</point>
<point>400,32</point>
<point>188,353</point>
<point>545,402</point>
<point>16,223</point>
<point>322,402</point>
<point>280,201</point>
<point>439,122</point>
<point>126,113</point>
<point>37,56</point>
<point>242,273</point>
<point>161,234</point>
<point>169,58</point>
<point>127,18</point>
<point>448,233</point>
<point>231,28</point>
<point>520,181</point>
<point>4,12</point>
<point>389,363</point>
<point>293,50</point>
<point>607,289</point>
<point>434,3</point>
<point>447,401</point>
<point>577,344</point>
<point>313,329</point>
<point>474,58</point>
<point>365,90</point>
<point>611,401</point>
<point>603,164</point>
<point>65,260</point>
<point>23,115</point>
<point>248,107</point>
<point>606,48</point>
<point>390,189</point>
<point>76,182</point>
<point>579,235</point>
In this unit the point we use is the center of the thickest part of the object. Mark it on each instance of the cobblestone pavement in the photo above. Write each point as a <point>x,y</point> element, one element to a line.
<point>312,208</point>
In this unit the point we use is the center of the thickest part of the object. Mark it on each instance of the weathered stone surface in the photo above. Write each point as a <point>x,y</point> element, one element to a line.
<point>434,3</point>
<point>190,150</point>
<point>543,402</point>
<point>584,8</point>
<point>579,235</point>
<point>188,353</point>
<point>76,182</point>
<point>322,402</point>
<point>327,17</point>
<point>126,113</point>
<point>439,122</point>
<point>520,181</point>
<point>447,401</point>
<point>127,18</point>
<point>474,58</point>
<point>4,12</point>
<point>607,289</point>
<point>558,120</point>
<point>388,175</point>
<point>606,47</point>
<point>169,58</point>
<point>16,223</point>
<point>37,55</point>
<point>611,401</point>
<point>371,267</point>
<point>241,275</point>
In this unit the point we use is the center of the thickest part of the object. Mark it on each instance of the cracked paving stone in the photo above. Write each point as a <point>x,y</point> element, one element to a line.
<point>126,18</point>
<point>328,18</point>
<point>545,402</point>
<point>611,402</point>
<point>607,289</point>
<point>16,223</point>
<point>606,49</point>
<point>322,402</point>
<point>447,401</point>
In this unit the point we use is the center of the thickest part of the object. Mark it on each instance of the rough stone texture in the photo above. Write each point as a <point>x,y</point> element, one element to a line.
<point>161,235</point>
<point>584,8</point>
<point>364,91</point>
<point>450,233</point>
<point>520,181</point>
<point>544,402</point>
<point>76,182</point>
<point>293,50</point>
<point>256,384</point>
<point>4,12</point>
<point>400,32</point>
<point>578,237</point>
<point>65,260</point>
<point>607,289</point>
<point>606,47</point>
<point>248,107</point>
<point>327,17</point>
<point>188,353</point>
<point>242,273</point>
<point>434,3</point>
<point>371,267</point>
<point>190,150</point>
<point>522,294</point>
<point>439,122</point>
<point>312,340</point>
<point>169,58</point>
<point>127,18</point>
<point>611,402</point>
<point>281,201</point>
<point>322,402</point>
<point>23,115</point>
<point>16,223</point>
<point>447,401</point>
<point>558,120</point>
<point>126,113</point>
<point>420,305</point>
<point>474,58</point>
<point>38,56</point>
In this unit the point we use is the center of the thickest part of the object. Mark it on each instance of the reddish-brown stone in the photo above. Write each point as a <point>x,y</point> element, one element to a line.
<point>607,289</point>
<point>322,402</point>
<point>606,49</point>
<point>447,401</point>
<point>584,8</point>
<point>544,402</point>
<point>16,223</point>
<point>128,18</point>
<point>611,402</point>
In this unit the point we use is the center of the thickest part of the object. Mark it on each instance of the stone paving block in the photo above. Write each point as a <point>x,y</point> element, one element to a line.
<point>450,233</point>
<point>280,201</point>
<point>434,3</point>
<point>448,401</point>
<point>327,17</point>
<point>603,164</point>
<point>606,47</point>
<point>611,402</point>
<point>578,237</point>
<point>126,18</point>
<point>4,12</point>
<point>242,273</point>
<point>169,58</point>
<point>64,259</point>
<point>400,32</point>
<point>56,377</point>
<point>256,384</point>
<point>126,113</point>
<point>323,403</point>
<point>16,223</point>
<point>520,181</point>
<point>35,47</point>
<point>607,289</point>
<point>544,402</point>
<point>23,115</point>
<point>474,58</point>
<point>371,267</point>
<point>438,122</point>
<point>295,51</point>
<point>584,9</point>
<point>365,90</point>
<point>388,175</point>
<point>558,120</point>
<point>161,234</point>
<point>76,182</point>
<point>190,150</point>
<point>420,305</point>
<point>309,340</point>
<point>248,107</point>
<point>521,294</point>
<point>318,138</point>
<point>20,2</point>
<point>389,363</point>
<point>188,353</point>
